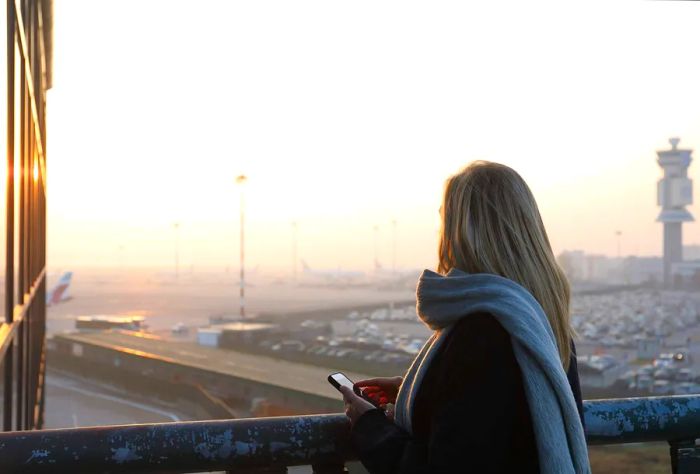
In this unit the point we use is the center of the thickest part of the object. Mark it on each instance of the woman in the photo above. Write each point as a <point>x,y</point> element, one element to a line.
<point>495,388</point>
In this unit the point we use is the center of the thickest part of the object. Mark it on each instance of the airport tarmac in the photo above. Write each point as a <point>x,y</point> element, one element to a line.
<point>193,298</point>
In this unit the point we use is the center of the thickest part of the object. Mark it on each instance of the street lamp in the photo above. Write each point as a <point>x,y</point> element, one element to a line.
<point>376,248</point>
<point>294,250</point>
<point>241,180</point>
<point>393,249</point>
<point>176,226</point>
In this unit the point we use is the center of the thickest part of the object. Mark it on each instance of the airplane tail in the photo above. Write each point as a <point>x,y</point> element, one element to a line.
<point>377,265</point>
<point>59,293</point>
<point>305,266</point>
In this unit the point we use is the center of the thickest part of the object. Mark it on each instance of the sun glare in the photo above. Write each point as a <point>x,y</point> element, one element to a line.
<point>367,135</point>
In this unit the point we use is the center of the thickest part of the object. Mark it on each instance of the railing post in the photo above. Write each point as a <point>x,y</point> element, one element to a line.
<point>685,457</point>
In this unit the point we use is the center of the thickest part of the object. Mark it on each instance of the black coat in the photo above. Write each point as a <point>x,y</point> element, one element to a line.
<point>470,413</point>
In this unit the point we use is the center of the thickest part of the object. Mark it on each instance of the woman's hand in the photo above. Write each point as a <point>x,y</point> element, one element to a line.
<point>381,390</point>
<point>355,405</point>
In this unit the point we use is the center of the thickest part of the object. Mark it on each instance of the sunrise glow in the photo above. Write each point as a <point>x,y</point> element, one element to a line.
<point>344,126</point>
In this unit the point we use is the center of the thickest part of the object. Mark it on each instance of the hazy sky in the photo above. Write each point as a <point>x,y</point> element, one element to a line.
<point>347,115</point>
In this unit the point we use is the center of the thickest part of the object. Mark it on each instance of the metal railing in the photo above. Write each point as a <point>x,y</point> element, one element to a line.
<point>28,29</point>
<point>258,445</point>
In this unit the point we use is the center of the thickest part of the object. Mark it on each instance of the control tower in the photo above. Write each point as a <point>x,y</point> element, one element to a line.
<point>675,191</point>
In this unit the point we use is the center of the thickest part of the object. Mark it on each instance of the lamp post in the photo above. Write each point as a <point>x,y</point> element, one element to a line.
<point>294,250</point>
<point>376,248</point>
<point>176,226</point>
<point>393,249</point>
<point>240,180</point>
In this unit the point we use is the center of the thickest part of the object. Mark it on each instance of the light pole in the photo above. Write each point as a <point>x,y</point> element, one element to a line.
<point>176,226</point>
<point>240,180</point>
<point>376,248</point>
<point>294,250</point>
<point>393,250</point>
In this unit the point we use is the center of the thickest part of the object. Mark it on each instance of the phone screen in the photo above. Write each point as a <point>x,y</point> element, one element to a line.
<point>339,379</point>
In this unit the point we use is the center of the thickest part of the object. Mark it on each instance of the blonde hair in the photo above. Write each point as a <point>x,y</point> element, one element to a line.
<point>491,224</point>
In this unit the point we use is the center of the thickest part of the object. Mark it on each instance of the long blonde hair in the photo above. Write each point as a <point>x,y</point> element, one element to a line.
<point>491,224</point>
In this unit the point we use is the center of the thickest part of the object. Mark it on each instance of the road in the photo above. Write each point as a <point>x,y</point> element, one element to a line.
<point>73,402</point>
<point>295,376</point>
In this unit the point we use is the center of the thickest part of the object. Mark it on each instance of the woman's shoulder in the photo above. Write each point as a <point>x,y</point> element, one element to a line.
<point>480,326</point>
<point>477,356</point>
<point>480,339</point>
<point>477,352</point>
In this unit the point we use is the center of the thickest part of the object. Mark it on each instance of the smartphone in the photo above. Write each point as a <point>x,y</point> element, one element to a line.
<point>338,379</point>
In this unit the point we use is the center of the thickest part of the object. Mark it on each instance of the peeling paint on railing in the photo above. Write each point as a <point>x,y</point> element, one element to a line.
<point>180,447</point>
<point>37,454</point>
<point>630,420</point>
<point>321,440</point>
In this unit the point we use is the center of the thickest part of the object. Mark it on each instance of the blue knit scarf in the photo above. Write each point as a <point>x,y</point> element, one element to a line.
<point>444,300</point>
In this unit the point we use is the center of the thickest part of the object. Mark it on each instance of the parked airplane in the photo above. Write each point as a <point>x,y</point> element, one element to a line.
<point>59,293</point>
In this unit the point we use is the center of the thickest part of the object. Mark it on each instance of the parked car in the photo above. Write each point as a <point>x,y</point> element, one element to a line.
<point>686,388</point>
<point>289,346</point>
<point>644,382</point>
<point>662,387</point>
<point>684,375</point>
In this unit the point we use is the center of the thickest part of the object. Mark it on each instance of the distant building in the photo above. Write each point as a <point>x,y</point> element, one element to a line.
<point>691,252</point>
<point>599,267</point>
<point>638,270</point>
<point>234,335</point>
<point>208,337</point>
<point>581,267</point>
<point>573,263</point>
<point>599,371</point>
<point>106,322</point>
<point>686,275</point>
<point>648,348</point>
